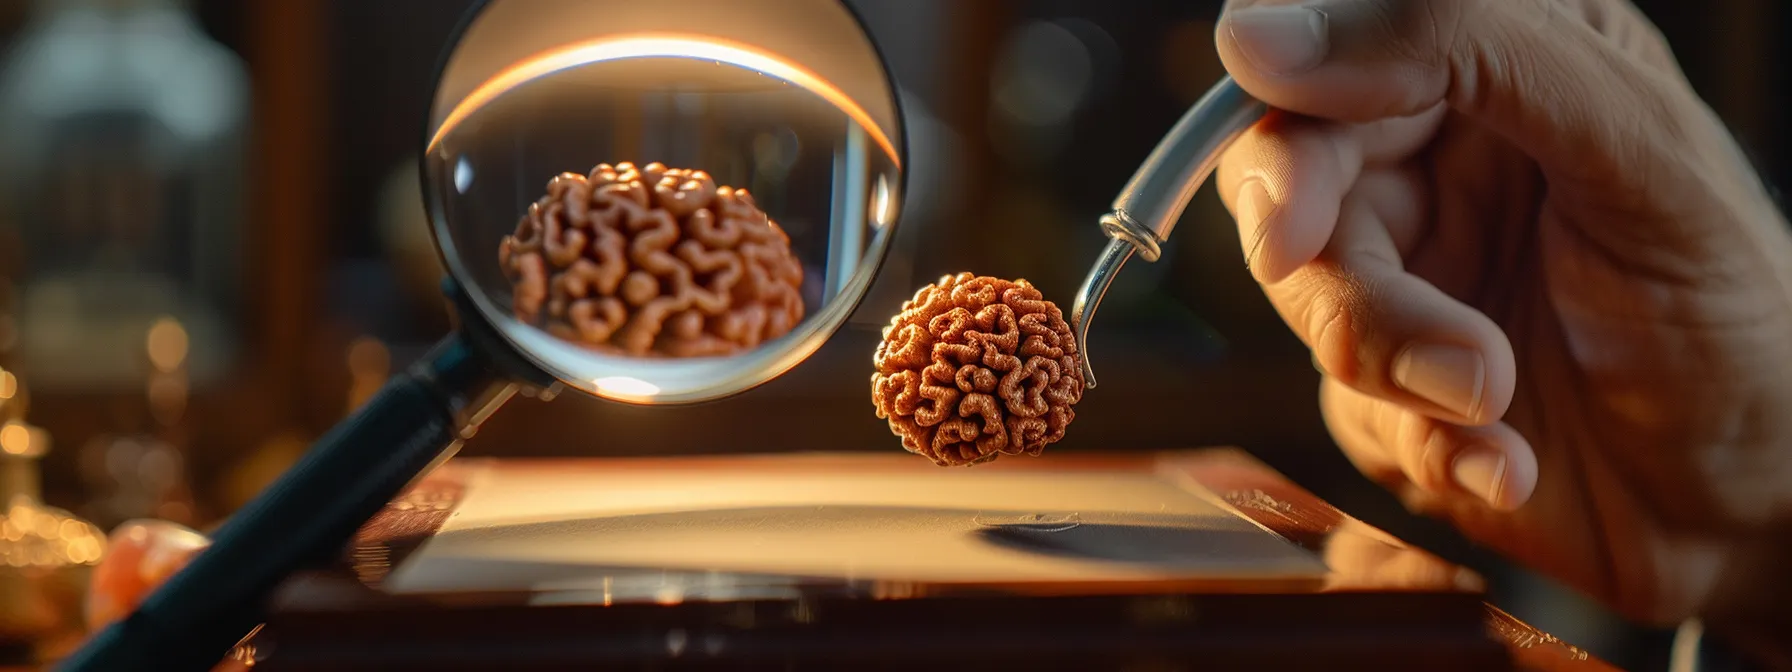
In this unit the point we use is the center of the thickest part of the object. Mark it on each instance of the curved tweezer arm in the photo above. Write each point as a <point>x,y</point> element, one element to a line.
<point>1149,206</point>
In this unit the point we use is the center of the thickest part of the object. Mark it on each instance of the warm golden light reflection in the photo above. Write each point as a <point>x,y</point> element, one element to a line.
<point>167,344</point>
<point>883,205</point>
<point>1362,557</point>
<point>45,524</point>
<point>660,46</point>
<point>9,385</point>
<point>15,439</point>
<point>669,595</point>
<point>85,551</point>
<point>624,387</point>
<point>45,537</point>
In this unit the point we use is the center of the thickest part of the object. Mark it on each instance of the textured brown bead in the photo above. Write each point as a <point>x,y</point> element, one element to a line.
<point>974,368</point>
<point>652,262</point>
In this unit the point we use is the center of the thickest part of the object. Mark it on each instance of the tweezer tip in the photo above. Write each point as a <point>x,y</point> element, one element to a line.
<point>1088,298</point>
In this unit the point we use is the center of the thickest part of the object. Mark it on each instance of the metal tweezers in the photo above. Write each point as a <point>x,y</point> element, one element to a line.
<point>1154,199</point>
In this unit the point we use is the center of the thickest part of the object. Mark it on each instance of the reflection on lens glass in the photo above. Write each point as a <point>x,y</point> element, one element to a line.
<point>658,200</point>
<point>652,261</point>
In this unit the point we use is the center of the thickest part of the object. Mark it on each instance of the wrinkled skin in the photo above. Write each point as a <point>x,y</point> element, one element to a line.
<point>1533,182</point>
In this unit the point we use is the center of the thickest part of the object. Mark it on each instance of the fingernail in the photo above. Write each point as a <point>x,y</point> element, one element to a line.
<point>1284,40</point>
<point>1254,207</point>
<point>1482,472</point>
<point>1447,375</point>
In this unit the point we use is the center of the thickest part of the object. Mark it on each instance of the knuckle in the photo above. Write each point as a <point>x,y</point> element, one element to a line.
<point>1430,31</point>
<point>1344,305</point>
<point>1480,65</point>
<point>1333,326</point>
<point>1449,23</point>
<point>1432,40</point>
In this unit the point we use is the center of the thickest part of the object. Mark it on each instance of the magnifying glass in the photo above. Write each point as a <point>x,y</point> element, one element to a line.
<point>650,203</point>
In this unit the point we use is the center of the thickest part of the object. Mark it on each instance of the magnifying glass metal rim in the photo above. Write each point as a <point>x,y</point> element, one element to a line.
<point>779,355</point>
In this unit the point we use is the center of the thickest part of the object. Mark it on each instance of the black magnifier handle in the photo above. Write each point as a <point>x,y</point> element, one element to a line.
<point>311,513</point>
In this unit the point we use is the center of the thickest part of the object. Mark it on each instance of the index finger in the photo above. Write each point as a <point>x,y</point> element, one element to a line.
<point>1286,176</point>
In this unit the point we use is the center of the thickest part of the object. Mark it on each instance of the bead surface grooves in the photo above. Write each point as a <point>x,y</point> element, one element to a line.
<point>974,368</point>
<point>652,262</point>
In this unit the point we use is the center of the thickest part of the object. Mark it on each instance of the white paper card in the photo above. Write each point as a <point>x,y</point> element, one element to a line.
<point>538,529</point>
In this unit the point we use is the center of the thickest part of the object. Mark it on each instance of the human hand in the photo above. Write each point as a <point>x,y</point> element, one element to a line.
<point>1551,299</point>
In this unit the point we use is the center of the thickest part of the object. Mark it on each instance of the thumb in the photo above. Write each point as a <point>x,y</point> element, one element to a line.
<point>1533,71</point>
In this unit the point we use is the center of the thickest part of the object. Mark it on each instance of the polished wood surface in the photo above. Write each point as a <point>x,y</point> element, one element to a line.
<point>1362,557</point>
<point>1384,605</point>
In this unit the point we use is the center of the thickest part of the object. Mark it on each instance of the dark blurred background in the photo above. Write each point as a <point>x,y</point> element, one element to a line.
<point>299,219</point>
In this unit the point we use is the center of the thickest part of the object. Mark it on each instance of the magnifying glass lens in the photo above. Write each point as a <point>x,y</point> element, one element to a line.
<point>661,215</point>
